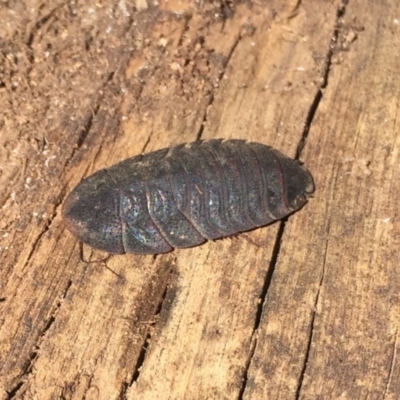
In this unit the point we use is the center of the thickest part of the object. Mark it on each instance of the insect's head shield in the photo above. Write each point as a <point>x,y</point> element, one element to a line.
<point>300,184</point>
<point>91,213</point>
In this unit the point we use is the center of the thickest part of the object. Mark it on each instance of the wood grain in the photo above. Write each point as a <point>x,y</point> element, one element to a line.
<point>307,308</point>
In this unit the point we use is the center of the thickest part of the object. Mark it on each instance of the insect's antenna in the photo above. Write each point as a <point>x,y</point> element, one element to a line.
<point>251,241</point>
<point>102,261</point>
<point>81,256</point>
<point>112,271</point>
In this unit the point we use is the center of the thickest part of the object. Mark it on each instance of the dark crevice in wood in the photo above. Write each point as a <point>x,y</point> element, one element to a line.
<point>6,198</point>
<point>51,320</point>
<point>310,339</point>
<point>38,25</point>
<point>89,122</point>
<point>46,227</point>
<point>312,322</point>
<point>14,391</point>
<point>308,351</point>
<point>267,282</point>
<point>247,366</point>
<point>140,360</point>
<point>212,94</point>
<point>270,272</point>
<point>88,387</point>
<point>147,141</point>
<point>86,127</point>
<point>122,393</point>
<point>263,296</point>
<point>33,356</point>
<point>119,70</point>
<point>111,75</point>
<point>325,79</point>
<point>90,118</point>
<point>310,117</point>
<point>226,11</point>
<point>143,353</point>
<point>187,17</point>
<point>392,365</point>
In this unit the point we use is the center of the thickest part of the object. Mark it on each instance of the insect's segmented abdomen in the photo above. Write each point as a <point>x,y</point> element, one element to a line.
<point>182,196</point>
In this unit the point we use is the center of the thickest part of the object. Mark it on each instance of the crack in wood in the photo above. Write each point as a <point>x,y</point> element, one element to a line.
<point>37,26</point>
<point>267,282</point>
<point>325,78</point>
<point>146,343</point>
<point>253,345</point>
<point>14,391</point>
<point>392,365</point>
<point>147,141</point>
<point>46,226</point>
<point>313,318</point>
<point>187,17</point>
<point>90,118</point>
<point>89,121</point>
<point>310,117</point>
<point>226,12</point>
<point>263,296</point>
<point>212,94</point>
<point>33,356</point>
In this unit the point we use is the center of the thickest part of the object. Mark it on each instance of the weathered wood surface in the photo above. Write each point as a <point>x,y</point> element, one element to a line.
<point>304,309</point>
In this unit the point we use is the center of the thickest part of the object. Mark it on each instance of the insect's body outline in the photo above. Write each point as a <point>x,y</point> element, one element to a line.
<point>184,195</point>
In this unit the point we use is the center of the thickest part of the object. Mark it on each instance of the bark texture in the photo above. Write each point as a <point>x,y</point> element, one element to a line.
<point>307,308</point>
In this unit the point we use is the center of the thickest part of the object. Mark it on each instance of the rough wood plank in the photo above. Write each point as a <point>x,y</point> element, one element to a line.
<point>86,85</point>
<point>331,317</point>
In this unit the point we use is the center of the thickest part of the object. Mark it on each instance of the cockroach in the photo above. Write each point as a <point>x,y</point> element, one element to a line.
<point>182,196</point>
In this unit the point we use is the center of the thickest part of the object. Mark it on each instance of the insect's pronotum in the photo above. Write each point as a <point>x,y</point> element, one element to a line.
<point>182,196</point>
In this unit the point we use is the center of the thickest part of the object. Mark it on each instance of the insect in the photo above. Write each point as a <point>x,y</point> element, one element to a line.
<point>182,196</point>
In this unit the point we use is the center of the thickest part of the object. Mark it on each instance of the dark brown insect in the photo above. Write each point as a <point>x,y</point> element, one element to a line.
<point>185,195</point>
